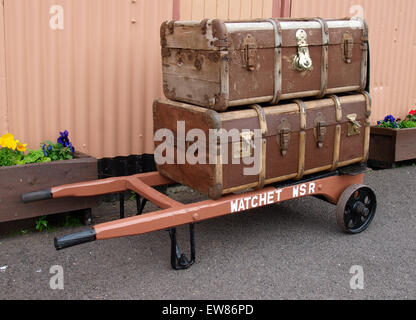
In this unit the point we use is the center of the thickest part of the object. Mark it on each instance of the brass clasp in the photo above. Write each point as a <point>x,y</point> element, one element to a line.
<point>302,61</point>
<point>353,125</point>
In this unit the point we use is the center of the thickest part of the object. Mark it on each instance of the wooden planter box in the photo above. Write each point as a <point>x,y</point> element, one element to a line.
<point>388,146</point>
<point>16,180</point>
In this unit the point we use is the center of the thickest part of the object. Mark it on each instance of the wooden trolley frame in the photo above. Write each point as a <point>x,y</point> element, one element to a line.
<point>342,187</point>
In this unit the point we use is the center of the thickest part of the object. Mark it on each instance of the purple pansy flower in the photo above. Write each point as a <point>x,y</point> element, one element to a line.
<point>389,118</point>
<point>45,153</point>
<point>64,140</point>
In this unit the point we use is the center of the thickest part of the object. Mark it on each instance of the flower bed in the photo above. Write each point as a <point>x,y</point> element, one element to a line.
<point>53,164</point>
<point>393,140</point>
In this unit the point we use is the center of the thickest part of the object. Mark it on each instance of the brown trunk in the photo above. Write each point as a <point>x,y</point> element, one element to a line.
<point>219,64</point>
<point>297,139</point>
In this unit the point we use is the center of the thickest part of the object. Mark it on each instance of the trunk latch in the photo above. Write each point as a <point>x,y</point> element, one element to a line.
<point>302,61</point>
<point>347,46</point>
<point>284,136</point>
<point>250,52</point>
<point>353,125</point>
<point>320,129</point>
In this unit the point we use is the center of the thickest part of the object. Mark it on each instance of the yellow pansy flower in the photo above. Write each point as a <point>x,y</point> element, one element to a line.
<point>7,141</point>
<point>20,146</point>
<point>5,138</point>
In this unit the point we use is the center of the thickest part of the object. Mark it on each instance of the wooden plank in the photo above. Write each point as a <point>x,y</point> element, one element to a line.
<point>191,90</point>
<point>382,147</point>
<point>209,71</point>
<point>17,180</point>
<point>189,37</point>
<point>405,144</point>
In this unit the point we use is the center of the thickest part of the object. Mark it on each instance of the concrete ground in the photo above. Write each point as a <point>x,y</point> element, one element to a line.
<point>289,251</point>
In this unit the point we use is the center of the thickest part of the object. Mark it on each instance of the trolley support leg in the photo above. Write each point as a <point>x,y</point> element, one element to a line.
<point>178,260</point>
<point>121,205</point>
<point>140,204</point>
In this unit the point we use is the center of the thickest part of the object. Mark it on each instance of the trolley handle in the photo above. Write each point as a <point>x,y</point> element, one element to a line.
<point>37,196</point>
<point>75,239</point>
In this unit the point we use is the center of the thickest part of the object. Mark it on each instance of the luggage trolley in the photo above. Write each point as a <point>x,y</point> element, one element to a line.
<point>356,205</point>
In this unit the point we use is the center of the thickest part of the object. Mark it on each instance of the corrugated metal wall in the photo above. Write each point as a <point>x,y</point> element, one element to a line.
<point>98,76</point>
<point>393,47</point>
<point>233,9</point>
<point>3,101</point>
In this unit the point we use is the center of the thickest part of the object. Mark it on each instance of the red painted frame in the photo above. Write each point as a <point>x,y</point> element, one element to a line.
<point>174,213</point>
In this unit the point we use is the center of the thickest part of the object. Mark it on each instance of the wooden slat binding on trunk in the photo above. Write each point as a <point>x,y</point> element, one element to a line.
<point>367,126</point>
<point>364,60</point>
<point>337,141</point>
<point>324,63</point>
<point>277,61</point>
<point>302,138</point>
<point>263,128</point>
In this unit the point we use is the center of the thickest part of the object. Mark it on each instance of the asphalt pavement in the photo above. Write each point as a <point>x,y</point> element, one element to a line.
<point>293,250</point>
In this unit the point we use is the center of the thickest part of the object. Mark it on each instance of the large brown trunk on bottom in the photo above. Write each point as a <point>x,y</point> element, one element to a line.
<point>296,139</point>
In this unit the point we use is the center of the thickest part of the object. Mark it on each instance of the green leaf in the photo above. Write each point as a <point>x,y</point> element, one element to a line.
<point>33,156</point>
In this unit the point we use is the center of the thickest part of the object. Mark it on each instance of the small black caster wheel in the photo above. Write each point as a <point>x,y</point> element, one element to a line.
<point>356,208</point>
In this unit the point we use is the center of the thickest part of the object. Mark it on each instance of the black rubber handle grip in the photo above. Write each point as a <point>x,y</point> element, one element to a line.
<point>75,239</point>
<point>37,196</point>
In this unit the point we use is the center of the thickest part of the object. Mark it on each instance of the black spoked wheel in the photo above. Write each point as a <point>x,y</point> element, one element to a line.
<point>356,208</point>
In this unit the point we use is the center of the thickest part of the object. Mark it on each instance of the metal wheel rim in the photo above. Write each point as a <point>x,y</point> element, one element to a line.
<point>356,209</point>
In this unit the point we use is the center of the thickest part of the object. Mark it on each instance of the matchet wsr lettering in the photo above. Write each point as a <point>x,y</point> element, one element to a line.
<point>271,197</point>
